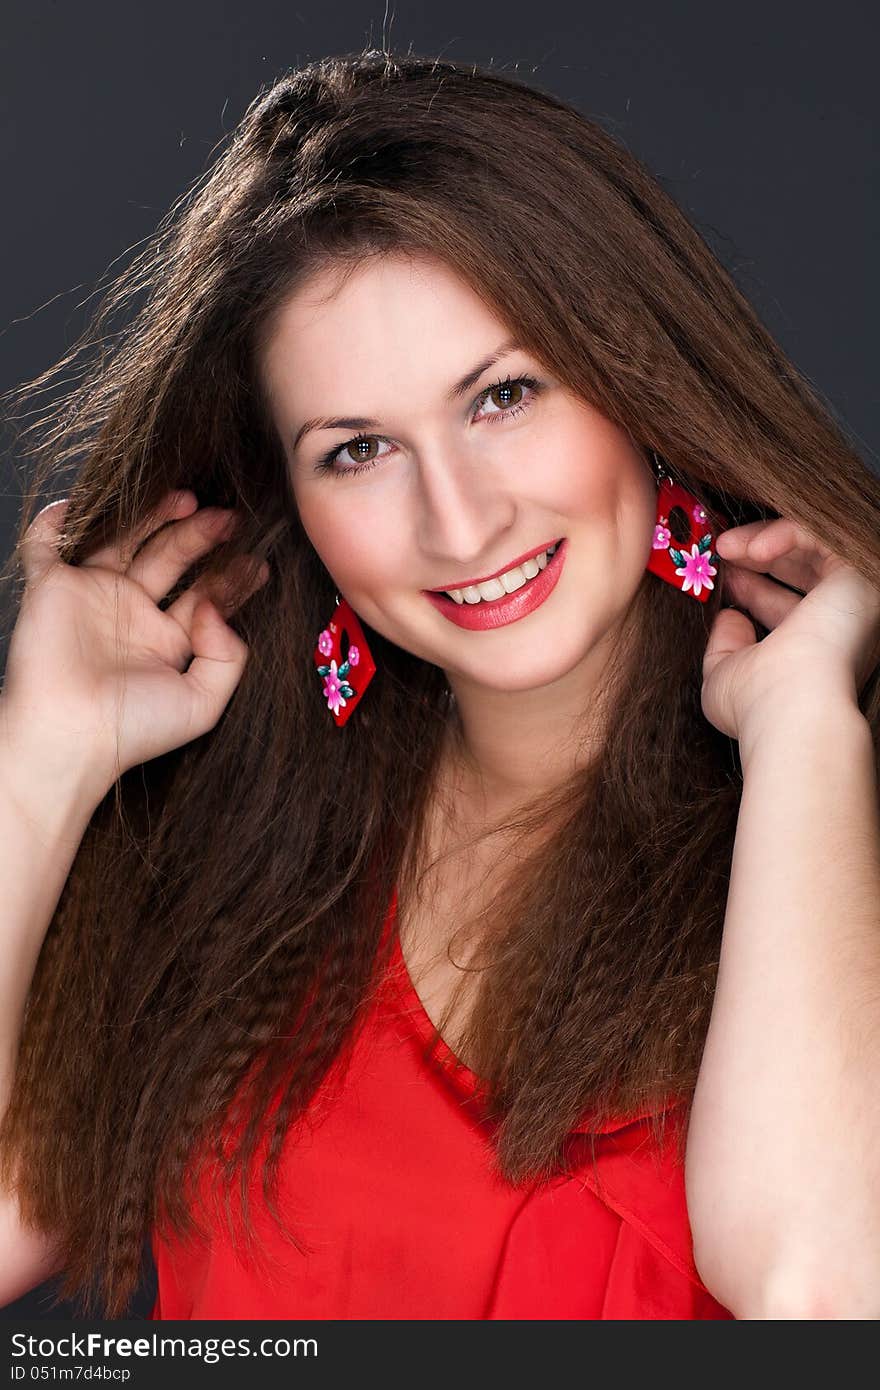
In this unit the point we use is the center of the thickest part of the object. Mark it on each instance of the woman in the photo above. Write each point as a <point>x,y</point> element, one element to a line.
<point>384,988</point>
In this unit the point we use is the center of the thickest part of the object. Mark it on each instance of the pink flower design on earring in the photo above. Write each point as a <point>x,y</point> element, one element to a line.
<point>696,570</point>
<point>354,656</point>
<point>333,688</point>
<point>699,514</point>
<point>325,643</point>
<point>662,537</point>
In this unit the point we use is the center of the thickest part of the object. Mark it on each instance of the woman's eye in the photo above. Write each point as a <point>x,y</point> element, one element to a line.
<point>511,396</point>
<point>360,446</point>
<point>361,452</point>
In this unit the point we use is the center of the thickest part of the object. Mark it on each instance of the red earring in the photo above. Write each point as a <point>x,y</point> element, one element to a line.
<point>344,661</point>
<point>683,536</point>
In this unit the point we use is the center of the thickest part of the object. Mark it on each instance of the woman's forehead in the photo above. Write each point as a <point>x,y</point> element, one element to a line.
<point>391,331</point>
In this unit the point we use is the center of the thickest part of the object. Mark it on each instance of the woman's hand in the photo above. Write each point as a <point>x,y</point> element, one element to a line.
<point>823,641</point>
<point>98,677</point>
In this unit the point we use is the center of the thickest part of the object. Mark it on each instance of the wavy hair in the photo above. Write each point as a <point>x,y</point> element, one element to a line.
<point>222,919</point>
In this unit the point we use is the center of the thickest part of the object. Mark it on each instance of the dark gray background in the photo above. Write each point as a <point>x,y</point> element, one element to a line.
<point>760,119</point>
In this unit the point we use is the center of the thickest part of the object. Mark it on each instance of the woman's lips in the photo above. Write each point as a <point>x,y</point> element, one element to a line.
<point>498,612</point>
<point>484,579</point>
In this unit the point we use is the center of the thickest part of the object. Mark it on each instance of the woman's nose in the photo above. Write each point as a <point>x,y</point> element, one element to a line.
<point>461,506</point>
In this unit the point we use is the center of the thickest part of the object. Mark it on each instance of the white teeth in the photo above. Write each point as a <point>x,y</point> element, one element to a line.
<point>506,583</point>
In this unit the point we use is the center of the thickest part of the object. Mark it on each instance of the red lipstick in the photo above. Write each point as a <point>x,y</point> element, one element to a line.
<point>484,578</point>
<point>489,613</point>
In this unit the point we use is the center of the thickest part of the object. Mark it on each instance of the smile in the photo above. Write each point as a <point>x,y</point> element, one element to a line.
<point>504,599</point>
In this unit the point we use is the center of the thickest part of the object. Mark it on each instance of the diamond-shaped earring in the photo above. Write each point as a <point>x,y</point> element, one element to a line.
<point>344,662</point>
<point>684,533</point>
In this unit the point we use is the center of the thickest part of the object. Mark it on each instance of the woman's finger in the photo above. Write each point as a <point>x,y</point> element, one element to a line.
<point>229,591</point>
<point>219,657</point>
<point>166,556</point>
<point>761,596</point>
<point>765,537</point>
<point>778,548</point>
<point>118,554</point>
<point>38,549</point>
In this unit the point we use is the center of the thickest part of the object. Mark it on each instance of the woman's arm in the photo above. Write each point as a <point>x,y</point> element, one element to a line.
<point>783,1155</point>
<point>42,821</point>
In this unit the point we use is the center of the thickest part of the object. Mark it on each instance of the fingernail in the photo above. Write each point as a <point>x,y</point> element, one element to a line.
<point>226,526</point>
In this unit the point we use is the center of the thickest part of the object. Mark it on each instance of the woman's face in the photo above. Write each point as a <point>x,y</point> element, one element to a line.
<point>447,486</point>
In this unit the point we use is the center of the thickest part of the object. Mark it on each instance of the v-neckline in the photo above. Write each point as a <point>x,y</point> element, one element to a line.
<point>420,1020</point>
<point>466,1082</point>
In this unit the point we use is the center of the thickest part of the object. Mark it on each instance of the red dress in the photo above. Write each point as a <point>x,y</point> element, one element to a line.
<point>389,1182</point>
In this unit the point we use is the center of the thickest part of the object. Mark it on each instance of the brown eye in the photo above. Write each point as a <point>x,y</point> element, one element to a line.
<point>509,398</point>
<point>505,395</point>
<point>357,455</point>
<point>360,448</point>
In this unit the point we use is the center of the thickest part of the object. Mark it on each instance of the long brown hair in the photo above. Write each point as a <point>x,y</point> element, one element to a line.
<point>222,917</point>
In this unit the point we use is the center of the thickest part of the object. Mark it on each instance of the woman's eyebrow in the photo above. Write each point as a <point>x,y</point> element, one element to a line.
<point>455,392</point>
